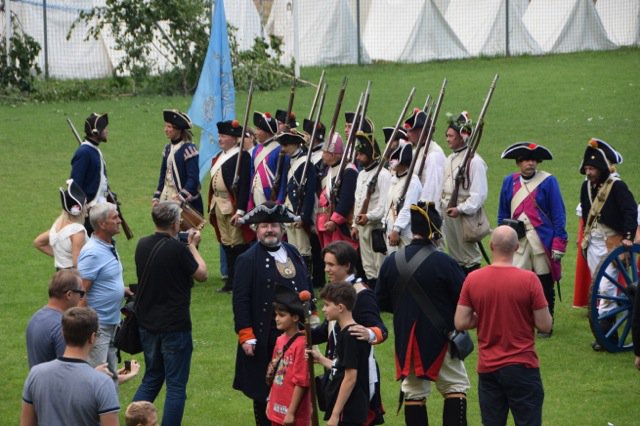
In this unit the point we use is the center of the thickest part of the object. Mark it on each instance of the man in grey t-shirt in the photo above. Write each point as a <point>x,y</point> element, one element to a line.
<point>67,391</point>
<point>44,337</point>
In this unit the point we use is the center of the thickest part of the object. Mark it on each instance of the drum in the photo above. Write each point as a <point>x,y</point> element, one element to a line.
<point>191,218</point>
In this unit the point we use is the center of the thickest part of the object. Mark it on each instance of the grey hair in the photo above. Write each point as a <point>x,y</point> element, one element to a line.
<point>165,214</point>
<point>100,212</point>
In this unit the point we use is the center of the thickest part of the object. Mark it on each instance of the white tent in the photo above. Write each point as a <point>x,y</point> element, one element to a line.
<point>482,27</point>
<point>243,15</point>
<point>561,26</point>
<point>443,5</point>
<point>326,31</point>
<point>621,19</point>
<point>409,31</point>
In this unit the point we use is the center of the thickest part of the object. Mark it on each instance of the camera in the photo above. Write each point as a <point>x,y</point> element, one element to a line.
<point>127,366</point>
<point>183,237</point>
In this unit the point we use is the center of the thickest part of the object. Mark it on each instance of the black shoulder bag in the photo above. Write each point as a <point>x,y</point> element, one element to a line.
<point>127,338</point>
<point>461,343</point>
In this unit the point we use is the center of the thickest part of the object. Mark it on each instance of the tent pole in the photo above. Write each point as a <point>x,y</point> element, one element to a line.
<point>506,28</point>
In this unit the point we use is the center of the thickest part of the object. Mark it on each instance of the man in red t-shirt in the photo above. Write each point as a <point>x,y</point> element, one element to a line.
<point>505,303</point>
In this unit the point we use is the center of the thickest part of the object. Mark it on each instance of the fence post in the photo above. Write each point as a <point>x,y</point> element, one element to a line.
<point>358,29</point>
<point>296,37</point>
<point>506,29</point>
<point>7,30</point>
<point>46,41</point>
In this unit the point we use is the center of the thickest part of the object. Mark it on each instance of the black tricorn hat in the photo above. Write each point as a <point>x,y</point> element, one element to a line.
<point>366,144</point>
<point>73,198</point>
<point>281,116</point>
<point>265,121</point>
<point>367,126</point>
<point>600,155</point>
<point>290,299</point>
<point>416,120</point>
<point>96,123</point>
<point>229,127</point>
<point>307,126</point>
<point>177,119</point>
<point>400,134</point>
<point>527,151</point>
<point>291,138</point>
<point>425,220</point>
<point>269,212</point>
<point>403,154</point>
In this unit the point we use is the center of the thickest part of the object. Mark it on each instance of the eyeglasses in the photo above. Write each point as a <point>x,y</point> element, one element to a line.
<point>80,292</point>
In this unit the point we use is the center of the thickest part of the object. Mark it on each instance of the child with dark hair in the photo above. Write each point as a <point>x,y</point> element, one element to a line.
<point>288,373</point>
<point>347,391</point>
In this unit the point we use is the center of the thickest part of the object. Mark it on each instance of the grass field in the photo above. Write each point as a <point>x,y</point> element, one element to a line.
<point>557,101</point>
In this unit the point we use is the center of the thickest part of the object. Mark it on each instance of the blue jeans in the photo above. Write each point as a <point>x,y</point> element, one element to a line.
<point>512,387</point>
<point>167,358</point>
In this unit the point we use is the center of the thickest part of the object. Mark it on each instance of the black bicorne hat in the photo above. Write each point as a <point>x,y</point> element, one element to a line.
<point>269,212</point>
<point>400,134</point>
<point>290,299</point>
<point>291,138</point>
<point>526,151</point>
<point>417,120</point>
<point>600,155</point>
<point>425,220</point>
<point>367,126</point>
<point>460,123</point>
<point>403,154</point>
<point>229,127</point>
<point>73,198</point>
<point>281,116</point>
<point>96,123</point>
<point>307,126</point>
<point>366,144</point>
<point>177,119</point>
<point>265,121</point>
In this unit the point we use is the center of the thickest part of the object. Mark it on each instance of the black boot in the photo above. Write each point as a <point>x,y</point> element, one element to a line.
<point>605,325</point>
<point>550,295</point>
<point>454,412</point>
<point>415,413</point>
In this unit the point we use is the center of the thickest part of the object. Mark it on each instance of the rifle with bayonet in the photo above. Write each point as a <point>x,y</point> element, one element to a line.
<point>462,178</point>
<point>316,96</point>
<point>276,180</point>
<point>424,140</point>
<point>303,179</point>
<point>371,187</point>
<point>236,174</point>
<point>111,196</point>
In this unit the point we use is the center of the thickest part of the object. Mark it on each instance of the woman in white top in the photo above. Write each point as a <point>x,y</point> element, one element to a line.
<point>67,234</point>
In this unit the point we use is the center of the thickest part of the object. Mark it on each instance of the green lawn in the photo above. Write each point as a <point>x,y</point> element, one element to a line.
<point>557,101</point>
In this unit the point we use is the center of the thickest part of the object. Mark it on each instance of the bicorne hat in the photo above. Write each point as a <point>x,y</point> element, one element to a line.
<point>177,119</point>
<point>600,155</point>
<point>290,299</point>
<point>264,121</point>
<point>403,154</point>
<point>526,151</point>
<point>269,212</point>
<point>96,123</point>
<point>281,116</point>
<point>367,126</point>
<point>425,220</point>
<point>366,144</point>
<point>73,198</point>
<point>461,123</point>
<point>417,120</point>
<point>307,126</point>
<point>290,138</point>
<point>229,127</point>
<point>400,134</point>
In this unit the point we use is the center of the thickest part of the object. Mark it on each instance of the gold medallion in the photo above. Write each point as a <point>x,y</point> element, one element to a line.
<point>286,269</point>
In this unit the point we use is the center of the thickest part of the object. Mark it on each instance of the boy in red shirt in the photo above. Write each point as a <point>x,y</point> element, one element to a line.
<point>289,402</point>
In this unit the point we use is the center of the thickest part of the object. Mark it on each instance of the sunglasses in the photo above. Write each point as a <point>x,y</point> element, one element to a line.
<point>80,292</point>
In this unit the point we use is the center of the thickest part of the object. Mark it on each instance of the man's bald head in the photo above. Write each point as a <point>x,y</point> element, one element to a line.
<point>504,241</point>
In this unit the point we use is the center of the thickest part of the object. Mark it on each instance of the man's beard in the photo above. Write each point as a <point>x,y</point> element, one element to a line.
<point>270,240</point>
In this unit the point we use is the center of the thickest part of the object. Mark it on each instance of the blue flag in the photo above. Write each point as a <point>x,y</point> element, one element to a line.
<point>215,98</point>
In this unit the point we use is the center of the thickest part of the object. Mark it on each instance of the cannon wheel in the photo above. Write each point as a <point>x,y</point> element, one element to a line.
<point>626,283</point>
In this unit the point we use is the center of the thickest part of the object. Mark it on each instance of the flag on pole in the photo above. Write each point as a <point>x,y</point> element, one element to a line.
<point>215,98</point>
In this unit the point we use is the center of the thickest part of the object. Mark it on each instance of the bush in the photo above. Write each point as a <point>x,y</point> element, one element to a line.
<point>19,67</point>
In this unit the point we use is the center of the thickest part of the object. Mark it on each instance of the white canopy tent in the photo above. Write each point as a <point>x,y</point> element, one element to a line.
<point>326,32</point>
<point>561,26</point>
<point>243,15</point>
<point>409,31</point>
<point>482,27</point>
<point>621,20</point>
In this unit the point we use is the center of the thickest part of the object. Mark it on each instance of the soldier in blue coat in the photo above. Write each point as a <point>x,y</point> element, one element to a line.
<point>179,172</point>
<point>268,262</point>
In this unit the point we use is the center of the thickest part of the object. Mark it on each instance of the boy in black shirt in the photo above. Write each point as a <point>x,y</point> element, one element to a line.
<point>347,392</point>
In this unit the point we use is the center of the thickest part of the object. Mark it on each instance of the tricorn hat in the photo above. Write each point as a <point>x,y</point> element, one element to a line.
<point>229,127</point>
<point>269,212</point>
<point>290,299</point>
<point>281,116</point>
<point>527,151</point>
<point>366,144</point>
<point>73,198</point>
<point>417,120</point>
<point>96,123</point>
<point>177,119</point>
<point>400,134</point>
<point>290,138</point>
<point>307,126</point>
<point>461,123</point>
<point>265,121</point>
<point>367,126</point>
<point>425,220</point>
<point>403,154</point>
<point>600,155</point>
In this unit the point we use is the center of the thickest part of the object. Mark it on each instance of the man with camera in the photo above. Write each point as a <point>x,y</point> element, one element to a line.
<point>531,203</point>
<point>166,268</point>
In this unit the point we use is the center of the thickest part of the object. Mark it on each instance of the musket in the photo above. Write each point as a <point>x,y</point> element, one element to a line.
<point>309,345</point>
<point>111,196</point>
<point>315,97</point>
<point>462,177</point>
<point>363,115</point>
<point>371,187</point>
<point>303,179</point>
<point>236,174</point>
<point>276,180</point>
<point>336,114</point>
<point>423,140</point>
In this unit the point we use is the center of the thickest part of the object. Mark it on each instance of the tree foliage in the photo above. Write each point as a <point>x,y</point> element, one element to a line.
<point>18,67</point>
